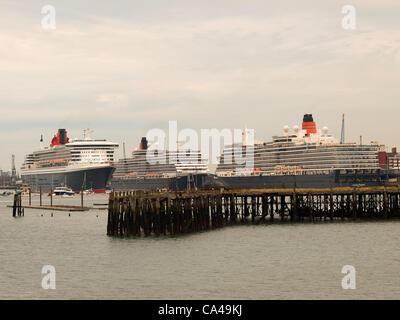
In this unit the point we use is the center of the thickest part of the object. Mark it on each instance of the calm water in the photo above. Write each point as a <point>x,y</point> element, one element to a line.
<point>278,261</point>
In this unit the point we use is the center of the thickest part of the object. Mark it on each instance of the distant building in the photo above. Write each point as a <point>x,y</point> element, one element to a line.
<point>393,159</point>
<point>5,178</point>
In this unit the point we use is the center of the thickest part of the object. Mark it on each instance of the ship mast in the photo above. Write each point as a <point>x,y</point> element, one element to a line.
<point>342,134</point>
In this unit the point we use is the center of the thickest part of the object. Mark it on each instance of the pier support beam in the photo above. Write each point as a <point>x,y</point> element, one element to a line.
<point>141,213</point>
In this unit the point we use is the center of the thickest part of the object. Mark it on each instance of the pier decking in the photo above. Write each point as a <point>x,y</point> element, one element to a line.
<point>56,207</point>
<point>19,208</point>
<point>151,213</point>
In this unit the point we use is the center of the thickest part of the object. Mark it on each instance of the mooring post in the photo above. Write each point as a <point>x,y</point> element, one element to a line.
<point>325,205</point>
<point>385,204</point>
<point>110,215</point>
<point>354,205</point>
<point>20,205</point>
<point>271,197</point>
<point>232,209</point>
<point>264,207</point>
<point>282,209</point>
<point>294,207</point>
<point>15,204</point>
<point>82,197</point>
<point>342,211</point>
<point>253,208</point>
<point>310,207</point>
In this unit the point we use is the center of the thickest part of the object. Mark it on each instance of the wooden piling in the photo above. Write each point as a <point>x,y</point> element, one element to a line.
<point>82,197</point>
<point>17,205</point>
<point>144,213</point>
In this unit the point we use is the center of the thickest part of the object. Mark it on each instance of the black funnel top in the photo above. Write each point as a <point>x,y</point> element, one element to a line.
<point>308,118</point>
<point>143,143</point>
<point>63,136</point>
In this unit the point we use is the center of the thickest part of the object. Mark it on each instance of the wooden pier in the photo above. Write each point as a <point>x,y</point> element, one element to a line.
<point>140,213</point>
<point>58,208</point>
<point>19,208</point>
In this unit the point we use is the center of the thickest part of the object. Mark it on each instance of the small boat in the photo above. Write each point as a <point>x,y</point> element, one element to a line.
<point>88,191</point>
<point>63,191</point>
<point>6,193</point>
<point>67,196</point>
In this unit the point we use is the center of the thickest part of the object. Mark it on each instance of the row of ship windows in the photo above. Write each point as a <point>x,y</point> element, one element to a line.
<point>291,152</point>
<point>159,169</point>
<point>167,161</point>
<point>303,161</point>
<point>272,168</point>
<point>86,160</point>
<point>301,150</point>
<point>302,156</point>
<point>90,152</point>
<point>59,156</point>
<point>92,155</point>
<point>271,145</point>
<point>98,147</point>
<point>159,158</point>
<point>161,166</point>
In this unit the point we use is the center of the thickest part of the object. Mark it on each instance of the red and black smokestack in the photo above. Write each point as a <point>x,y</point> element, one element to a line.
<point>143,144</point>
<point>60,139</point>
<point>309,124</point>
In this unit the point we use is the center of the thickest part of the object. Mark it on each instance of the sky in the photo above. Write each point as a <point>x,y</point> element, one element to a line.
<point>122,68</point>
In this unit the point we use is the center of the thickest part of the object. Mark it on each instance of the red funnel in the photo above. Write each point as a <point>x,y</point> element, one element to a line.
<point>309,124</point>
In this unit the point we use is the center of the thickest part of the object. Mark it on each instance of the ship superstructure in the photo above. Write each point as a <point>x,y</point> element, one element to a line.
<point>78,163</point>
<point>163,170</point>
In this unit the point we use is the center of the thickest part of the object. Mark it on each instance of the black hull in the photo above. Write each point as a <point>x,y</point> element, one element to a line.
<point>176,183</point>
<point>315,181</point>
<point>96,179</point>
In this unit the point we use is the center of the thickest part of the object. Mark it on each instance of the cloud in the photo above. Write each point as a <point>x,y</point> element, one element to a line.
<point>120,67</point>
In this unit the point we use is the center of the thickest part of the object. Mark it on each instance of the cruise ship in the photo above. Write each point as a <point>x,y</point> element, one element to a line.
<point>172,170</point>
<point>304,158</point>
<point>78,164</point>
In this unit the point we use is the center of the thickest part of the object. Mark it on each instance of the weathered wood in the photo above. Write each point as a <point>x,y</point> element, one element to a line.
<point>141,213</point>
<point>18,210</point>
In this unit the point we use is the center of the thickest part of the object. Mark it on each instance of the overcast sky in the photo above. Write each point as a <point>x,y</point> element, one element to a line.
<point>123,67</point>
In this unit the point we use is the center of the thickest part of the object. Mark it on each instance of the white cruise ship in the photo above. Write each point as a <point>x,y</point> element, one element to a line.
<point>79,164</point>
<point>136,173</point>
<point>308,158</point>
